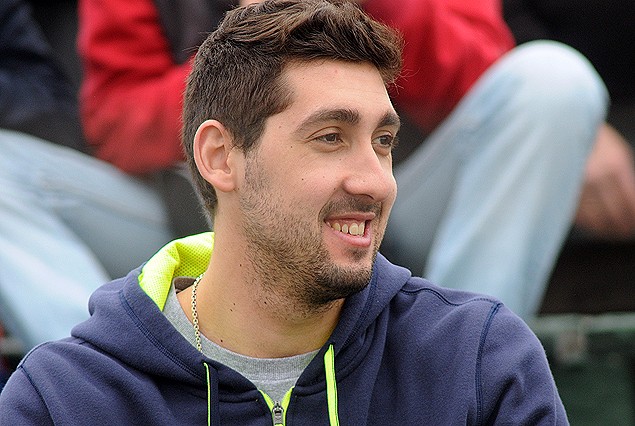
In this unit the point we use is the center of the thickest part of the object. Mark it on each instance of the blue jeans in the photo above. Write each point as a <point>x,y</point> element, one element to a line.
<point>68,223</point>
<point>486,202</point>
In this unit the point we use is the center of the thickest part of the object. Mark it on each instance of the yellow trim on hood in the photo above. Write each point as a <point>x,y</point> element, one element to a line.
<point>185,257</point>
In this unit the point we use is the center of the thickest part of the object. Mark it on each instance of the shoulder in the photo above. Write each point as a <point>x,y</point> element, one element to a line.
<point>440,302</point>
<point>66,357</point>
<point>488,355</point>
<point>479,327</point>
<point>421,304</point>
<point>48,376</point>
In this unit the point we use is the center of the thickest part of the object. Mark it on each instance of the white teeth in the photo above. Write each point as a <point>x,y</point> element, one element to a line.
<point>352,229</point>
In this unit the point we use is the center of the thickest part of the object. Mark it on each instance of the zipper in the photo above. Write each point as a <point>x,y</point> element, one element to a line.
<point>278,414</point>
<point>278,407</point>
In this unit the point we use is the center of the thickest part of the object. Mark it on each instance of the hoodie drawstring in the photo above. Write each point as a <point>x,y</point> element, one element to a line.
<point>209,396</point>
<point>213,413</point>
<point>331,386</point>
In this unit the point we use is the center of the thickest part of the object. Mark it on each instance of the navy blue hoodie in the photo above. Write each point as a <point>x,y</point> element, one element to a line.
<point>404,352</point>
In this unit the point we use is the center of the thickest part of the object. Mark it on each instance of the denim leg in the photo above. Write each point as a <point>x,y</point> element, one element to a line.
<point>485,204</point>
<point>68,223</point>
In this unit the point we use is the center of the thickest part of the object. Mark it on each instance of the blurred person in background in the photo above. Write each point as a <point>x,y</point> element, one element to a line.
<point>477,186</point>
<point>68,221</point>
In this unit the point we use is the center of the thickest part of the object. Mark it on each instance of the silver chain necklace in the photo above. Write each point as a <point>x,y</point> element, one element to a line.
<point>197,331</point>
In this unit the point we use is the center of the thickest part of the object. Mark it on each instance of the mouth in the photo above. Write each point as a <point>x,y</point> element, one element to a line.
<point>352,223</point>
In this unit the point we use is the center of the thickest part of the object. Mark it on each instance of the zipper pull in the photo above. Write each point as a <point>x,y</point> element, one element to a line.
<point>278,414</point>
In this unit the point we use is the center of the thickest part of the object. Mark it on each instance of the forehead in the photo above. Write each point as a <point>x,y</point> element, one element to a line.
<point>323,84</point>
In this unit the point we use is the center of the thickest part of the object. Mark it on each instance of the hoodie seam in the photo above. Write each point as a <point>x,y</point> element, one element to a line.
<point>478,379</point>
<point>445,300</point>
<point>139,324</point>
<point>26,373</point>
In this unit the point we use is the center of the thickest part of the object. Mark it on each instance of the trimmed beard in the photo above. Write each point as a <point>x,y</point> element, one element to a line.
<point>295,267</point>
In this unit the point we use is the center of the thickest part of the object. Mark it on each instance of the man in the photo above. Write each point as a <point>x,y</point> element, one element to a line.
<point>287,314</point>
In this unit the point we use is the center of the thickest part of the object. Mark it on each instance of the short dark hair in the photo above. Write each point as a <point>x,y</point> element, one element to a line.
<point>236,76</point>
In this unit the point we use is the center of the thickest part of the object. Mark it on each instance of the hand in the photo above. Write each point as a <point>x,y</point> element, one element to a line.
<point>607,202</point>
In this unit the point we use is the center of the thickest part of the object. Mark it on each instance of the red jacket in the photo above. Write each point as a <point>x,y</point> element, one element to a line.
<point>132,90</point>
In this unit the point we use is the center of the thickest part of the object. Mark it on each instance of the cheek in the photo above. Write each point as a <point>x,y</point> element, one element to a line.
<point>313,192</point>
<point>298,187</point>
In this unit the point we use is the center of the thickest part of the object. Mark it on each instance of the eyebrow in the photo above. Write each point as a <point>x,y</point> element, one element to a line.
<point>344,115</point>
<point>390,118</point>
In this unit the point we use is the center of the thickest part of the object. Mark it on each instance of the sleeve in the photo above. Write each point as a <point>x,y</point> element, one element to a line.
<point>515,383</point>
<point>131,96</point>
<point>36,97</point>
<point>20,403</point>
<point>448,46</point>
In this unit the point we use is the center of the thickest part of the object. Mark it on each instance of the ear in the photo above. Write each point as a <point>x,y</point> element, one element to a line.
<point>212,147</point>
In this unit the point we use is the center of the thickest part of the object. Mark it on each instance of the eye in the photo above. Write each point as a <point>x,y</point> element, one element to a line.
<point>330,138</point>
<point>386,141</point>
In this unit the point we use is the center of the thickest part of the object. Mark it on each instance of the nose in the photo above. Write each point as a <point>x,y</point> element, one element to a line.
<point>369,173</point>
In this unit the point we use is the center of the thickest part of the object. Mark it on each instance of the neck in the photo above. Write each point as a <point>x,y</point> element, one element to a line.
<point>253,318</point>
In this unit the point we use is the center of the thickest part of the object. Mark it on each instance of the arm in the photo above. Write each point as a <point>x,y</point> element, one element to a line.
<point>448,46</point>
<point>132,89</point>
<point>516,385</point>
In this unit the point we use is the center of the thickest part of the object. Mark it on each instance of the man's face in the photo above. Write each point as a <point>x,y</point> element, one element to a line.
<point>318,188</point>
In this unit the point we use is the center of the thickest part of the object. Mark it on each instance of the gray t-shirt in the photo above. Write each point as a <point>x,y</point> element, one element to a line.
<point>274,376</point>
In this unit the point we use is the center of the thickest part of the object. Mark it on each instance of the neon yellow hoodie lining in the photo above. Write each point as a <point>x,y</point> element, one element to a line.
<point>185,257</point>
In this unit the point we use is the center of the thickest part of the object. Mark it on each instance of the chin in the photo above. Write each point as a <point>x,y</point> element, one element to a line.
<point>355,264</point>
<point>338,283</point>
<point>363,266</point>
